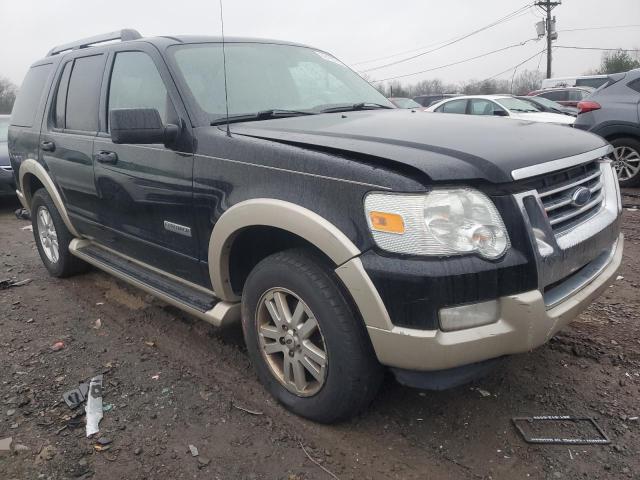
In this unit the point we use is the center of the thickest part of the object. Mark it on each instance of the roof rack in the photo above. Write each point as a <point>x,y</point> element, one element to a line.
<point>122,35</point>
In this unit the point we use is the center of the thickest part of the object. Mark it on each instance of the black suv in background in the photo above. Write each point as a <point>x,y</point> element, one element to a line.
<point>613,112</point>
<point>344,234</point>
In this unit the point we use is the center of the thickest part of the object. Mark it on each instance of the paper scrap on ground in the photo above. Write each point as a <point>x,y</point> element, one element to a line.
<point>94,405</point>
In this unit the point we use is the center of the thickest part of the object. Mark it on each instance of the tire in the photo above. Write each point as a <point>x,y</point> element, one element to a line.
<point>45,216</point>
<point>351,375</point>
<point>626,158</point>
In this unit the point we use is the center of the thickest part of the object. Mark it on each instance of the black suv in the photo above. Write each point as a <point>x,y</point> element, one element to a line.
<point>278,188</point>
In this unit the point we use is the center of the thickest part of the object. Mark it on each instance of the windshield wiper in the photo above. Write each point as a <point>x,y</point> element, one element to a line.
<point>355,106</point>
<point>261,115</point>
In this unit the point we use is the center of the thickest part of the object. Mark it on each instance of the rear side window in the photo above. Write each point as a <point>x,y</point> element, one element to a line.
<point>555,95</point>
<point>136,83</point>
<point>24,110</point>
<point>577,95</point>
<point>83,95</point>
<point>454,106</point>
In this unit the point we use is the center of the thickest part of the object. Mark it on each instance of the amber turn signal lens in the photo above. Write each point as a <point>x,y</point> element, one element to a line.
<point>386,222</point>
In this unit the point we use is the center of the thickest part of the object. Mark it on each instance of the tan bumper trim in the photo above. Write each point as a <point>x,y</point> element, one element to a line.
<point>524,324</point>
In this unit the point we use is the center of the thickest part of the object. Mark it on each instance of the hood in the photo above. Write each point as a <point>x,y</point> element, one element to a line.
<point>446,147</point>
<point>546,117</point>
<point>4,155</point>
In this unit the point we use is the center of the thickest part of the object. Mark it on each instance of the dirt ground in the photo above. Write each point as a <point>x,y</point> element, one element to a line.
<point>171,381</point>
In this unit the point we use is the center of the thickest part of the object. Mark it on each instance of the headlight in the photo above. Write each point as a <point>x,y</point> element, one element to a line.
<point>442,222</point>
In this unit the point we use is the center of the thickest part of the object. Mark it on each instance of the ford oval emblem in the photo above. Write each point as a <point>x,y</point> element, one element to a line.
<point>580,197</point>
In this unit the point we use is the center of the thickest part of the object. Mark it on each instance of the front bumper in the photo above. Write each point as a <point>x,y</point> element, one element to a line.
<point>525,323</point>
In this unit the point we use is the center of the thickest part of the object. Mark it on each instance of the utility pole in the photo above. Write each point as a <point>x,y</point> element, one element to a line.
<point>547,6</point>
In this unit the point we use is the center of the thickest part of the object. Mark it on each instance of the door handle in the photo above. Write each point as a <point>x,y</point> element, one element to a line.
<point>48,146</point>
<point>107,157</point>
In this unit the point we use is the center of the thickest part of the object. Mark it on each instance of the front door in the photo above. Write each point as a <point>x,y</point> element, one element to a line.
<point>145,191</point>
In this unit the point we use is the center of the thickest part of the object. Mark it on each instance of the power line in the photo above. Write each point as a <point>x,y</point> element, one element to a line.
<point>507,17</point>
<point>456,63</point>
<point>604,27</point>
<point>597,48</point>
<point>530,8</point>
<point>516,66</point>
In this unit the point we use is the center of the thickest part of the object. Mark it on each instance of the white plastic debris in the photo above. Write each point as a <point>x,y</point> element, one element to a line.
<point>94,405</point>
<point>619,277</point>
<point>194,450</point>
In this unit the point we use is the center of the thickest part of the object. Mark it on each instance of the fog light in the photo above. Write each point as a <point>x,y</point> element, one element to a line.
<point>468,316</point>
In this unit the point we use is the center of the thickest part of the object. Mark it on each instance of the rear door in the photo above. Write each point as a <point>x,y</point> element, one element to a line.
<point>145,192</point>
<point>71,124</point>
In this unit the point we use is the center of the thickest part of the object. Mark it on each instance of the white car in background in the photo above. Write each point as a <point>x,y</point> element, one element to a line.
<point>499,106</point>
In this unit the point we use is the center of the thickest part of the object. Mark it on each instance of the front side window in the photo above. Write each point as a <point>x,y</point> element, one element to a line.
<point>136,83</point>
<point>83,95</point>
<point>483,107</point>
<point>269,76</point>
<point>454,106</point>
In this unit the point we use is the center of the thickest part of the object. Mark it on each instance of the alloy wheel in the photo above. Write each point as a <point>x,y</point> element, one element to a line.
<point>291,342</point>
<point>626,161</point>
<point>48,235</point>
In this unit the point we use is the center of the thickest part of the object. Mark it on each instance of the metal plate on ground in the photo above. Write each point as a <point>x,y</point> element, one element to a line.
<point>558,422</point>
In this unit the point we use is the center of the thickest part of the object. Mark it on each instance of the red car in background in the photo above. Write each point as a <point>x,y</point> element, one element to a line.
<point>568,96</point>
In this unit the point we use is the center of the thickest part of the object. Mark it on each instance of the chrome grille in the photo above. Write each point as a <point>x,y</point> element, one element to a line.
<point>556,194</point>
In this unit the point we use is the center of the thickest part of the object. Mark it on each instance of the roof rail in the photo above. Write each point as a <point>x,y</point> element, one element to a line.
<point>122,35</point>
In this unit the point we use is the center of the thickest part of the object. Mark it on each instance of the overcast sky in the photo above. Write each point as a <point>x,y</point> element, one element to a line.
<point>353,30</point>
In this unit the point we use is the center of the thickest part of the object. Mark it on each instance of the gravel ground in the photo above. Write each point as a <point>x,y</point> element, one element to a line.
<point>171,381</point>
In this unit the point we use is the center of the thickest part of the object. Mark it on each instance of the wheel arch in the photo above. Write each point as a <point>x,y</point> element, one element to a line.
<point>279,214</point>
<point>32,174</point>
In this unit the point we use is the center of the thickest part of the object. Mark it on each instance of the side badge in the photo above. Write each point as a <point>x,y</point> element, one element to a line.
<point>179,229</point>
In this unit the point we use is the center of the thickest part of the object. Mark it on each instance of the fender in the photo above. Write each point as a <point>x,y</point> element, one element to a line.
<point>31,167</point>
<point>274,213</point>
<point>608,129</point>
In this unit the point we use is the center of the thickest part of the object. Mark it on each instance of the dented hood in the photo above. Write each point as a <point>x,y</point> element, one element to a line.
<point>446,147</point>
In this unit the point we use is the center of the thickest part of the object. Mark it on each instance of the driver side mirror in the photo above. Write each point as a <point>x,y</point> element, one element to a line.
<point>140,126</point>
<point>500,113</point>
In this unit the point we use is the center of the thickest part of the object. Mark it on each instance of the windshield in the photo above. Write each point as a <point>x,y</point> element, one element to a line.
<point>516,105</point>
<point>4,129</point>
<point>263,76</point>
<point>548,103</point>
<point>405,103</point>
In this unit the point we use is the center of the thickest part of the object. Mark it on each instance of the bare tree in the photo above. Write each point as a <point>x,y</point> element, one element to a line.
<point>526,81</point>
<point>8,93</point>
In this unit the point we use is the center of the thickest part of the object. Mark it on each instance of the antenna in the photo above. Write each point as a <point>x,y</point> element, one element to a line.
<point>224,68</point>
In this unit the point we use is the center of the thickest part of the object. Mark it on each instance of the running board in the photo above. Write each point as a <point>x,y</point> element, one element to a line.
<point>191,298</point>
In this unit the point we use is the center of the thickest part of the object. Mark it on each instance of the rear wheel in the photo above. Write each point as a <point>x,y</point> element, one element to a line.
<point>626,161</point>
<point>52,237</point>
<point>308,346</point>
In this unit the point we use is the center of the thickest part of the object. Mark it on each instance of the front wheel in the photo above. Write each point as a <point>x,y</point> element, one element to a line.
<point>626,161</point>
<point>308,347</point>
